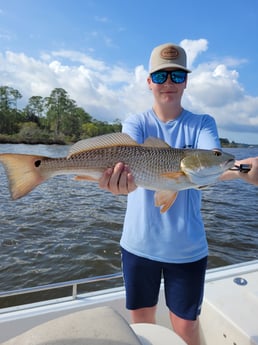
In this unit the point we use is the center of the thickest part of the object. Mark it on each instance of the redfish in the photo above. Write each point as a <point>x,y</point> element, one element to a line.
<point>154,164</point>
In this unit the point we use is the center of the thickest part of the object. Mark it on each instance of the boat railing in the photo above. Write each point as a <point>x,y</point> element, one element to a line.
<point>74,284</point>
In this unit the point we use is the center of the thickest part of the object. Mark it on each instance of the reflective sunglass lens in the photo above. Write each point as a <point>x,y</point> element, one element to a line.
<point>178,77</point>
<point>160,77</point>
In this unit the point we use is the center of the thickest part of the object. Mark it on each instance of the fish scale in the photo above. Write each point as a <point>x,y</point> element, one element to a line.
<point>141,160</point>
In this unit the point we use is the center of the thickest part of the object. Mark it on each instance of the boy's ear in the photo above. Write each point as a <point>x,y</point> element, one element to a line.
<point>149,82</point>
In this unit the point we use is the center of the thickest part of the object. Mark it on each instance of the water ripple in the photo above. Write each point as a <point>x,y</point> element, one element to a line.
<point>68,229</point>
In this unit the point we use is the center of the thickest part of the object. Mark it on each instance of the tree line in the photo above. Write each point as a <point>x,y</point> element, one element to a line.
<point>53,119</point>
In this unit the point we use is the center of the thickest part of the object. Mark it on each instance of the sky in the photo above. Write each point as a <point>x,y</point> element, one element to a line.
<point>98,51</point>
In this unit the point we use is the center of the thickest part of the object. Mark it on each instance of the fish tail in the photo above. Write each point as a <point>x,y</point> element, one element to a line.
<point>23,173</point>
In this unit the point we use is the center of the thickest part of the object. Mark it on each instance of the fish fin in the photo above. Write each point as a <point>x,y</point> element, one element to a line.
<point>203,187</point>
<point>86,178</point>
<point>165,199</point>
<point>22,172</point>
<point>173,174</point>
<point>155,142</point>
<point>102,141</point>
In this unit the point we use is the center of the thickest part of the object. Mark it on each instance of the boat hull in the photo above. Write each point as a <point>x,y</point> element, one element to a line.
<point>229,314</point>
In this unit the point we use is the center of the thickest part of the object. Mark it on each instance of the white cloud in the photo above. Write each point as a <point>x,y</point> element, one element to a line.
<point>194,48</point>
<point>214,86</point>
<point>109,92</point>
<point>78,57</point>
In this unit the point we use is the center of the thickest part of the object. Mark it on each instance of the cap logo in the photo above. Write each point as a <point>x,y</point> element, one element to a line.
<point>169,53</point>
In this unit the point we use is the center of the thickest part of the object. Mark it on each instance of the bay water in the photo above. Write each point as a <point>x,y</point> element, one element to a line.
<point>66,229</point>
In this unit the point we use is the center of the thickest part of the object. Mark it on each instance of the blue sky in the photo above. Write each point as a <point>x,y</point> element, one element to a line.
<point>98,51</point>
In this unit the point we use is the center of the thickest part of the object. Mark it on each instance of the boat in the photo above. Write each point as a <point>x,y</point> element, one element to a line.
<point>229,314</point>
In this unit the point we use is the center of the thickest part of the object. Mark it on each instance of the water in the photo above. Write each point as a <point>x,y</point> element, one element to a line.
<point>67,229</point>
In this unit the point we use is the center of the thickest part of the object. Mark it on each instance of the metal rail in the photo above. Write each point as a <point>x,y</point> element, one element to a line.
<point>73,283</point>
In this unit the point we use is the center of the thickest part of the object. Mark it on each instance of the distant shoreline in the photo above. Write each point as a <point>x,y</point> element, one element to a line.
<point>31,141</point>
<point>34,141</point>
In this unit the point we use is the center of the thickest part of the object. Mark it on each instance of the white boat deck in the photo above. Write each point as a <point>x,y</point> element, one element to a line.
<point>230,309</point>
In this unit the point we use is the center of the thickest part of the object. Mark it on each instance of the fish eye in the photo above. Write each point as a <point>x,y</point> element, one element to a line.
<point>37,163</point>
<point>217,153</point>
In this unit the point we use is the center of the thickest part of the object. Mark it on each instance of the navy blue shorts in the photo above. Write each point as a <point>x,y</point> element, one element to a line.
<point>183,283</point>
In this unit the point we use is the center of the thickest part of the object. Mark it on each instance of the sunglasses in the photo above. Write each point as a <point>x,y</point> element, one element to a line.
<point>177,77</point>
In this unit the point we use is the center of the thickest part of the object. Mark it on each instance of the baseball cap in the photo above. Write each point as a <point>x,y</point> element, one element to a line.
<point>168,55</point>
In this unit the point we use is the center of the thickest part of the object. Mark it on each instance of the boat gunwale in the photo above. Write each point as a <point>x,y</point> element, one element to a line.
<point>212,274</point>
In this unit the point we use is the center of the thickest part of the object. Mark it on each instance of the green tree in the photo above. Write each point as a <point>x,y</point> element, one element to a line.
<point>51,118</point>
<point>9,115</point>
<point>8,98</point>
<point>89,130</point>
<point>35,110</point>
<point>75,122</point>
<point>117,125</point>
<point>29,130</point>
<point>71,125</point>
<point>59,105</point>
<point>84,116</point>
<point>36,105</point>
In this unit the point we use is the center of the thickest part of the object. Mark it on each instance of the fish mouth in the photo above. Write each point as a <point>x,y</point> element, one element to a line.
<point>208,175</point>
<point>229,163</point>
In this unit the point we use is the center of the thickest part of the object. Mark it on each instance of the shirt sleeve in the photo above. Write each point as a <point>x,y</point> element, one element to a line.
<point>208,137</point>
<point>133,127</point>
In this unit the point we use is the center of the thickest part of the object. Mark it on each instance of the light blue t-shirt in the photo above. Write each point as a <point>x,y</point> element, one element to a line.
<point>177,236</point>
